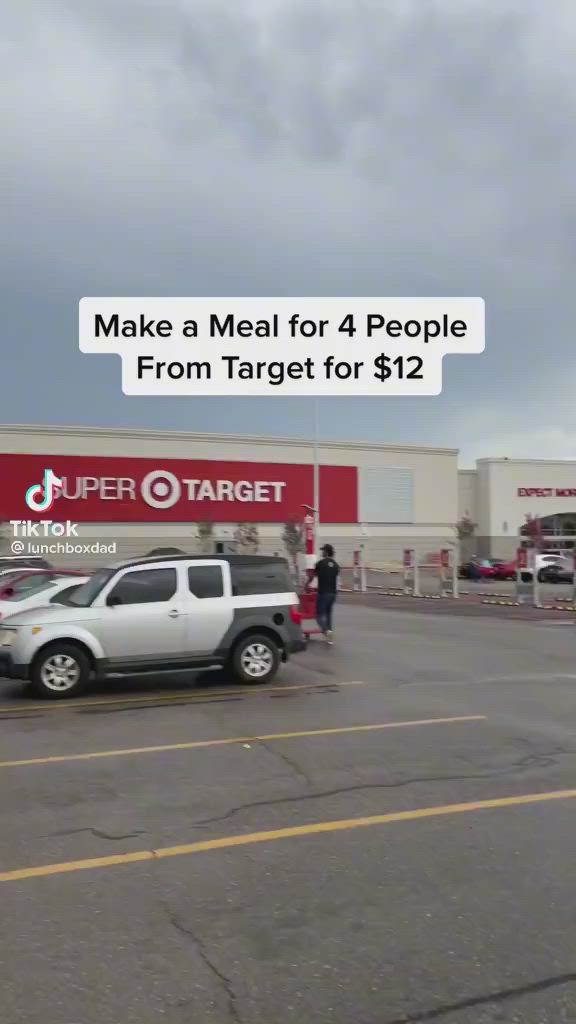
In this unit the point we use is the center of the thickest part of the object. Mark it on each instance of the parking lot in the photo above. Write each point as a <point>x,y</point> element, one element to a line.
<point>385,834</point>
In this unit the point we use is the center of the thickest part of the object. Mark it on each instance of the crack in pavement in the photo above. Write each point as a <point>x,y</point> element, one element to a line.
<point>493,997</point>
<point>531,760</point>
<point>291,762</point>
<point>223,981</point>
<point>95,832</point>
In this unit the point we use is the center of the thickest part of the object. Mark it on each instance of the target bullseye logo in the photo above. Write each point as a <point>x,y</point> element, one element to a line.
<point>161,489</point>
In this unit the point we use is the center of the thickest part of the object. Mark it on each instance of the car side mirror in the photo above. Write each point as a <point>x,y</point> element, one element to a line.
<point>9,592</point>
<point>113,601</point>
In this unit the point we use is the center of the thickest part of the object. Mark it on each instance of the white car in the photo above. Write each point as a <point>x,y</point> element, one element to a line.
<point>22,562</point>
<point>549,557</point>
<point>235,612</point>
<point>543,561</point>
<point>34,593</point>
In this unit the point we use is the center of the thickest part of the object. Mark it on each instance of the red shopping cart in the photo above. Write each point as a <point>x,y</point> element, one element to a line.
<point>308,613</point>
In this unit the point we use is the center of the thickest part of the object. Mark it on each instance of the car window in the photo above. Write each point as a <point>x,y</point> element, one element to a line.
<point>88,592</point>
<point>61,596</point>
<point>263,578</point>
<point>206,581</point>
<point>145,586</point>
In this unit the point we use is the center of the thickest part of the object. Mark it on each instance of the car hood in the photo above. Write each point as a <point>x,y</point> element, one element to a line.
<point>50,613</point>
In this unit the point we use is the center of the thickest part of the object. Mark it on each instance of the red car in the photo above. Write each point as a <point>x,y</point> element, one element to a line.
<point>477,569</point>
<point>505,570</point>
<point>19,582</point>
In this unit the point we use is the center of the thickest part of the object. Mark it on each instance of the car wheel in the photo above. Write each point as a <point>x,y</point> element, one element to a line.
<point>60,671</point>
<point>255,659</point>
<point>542,577</point>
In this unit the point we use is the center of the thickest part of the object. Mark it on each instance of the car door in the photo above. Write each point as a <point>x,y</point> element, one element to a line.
<point>209,612</point>
<point>140,614</point>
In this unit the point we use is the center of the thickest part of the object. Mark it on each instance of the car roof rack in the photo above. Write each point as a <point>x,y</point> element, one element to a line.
<point>233,559</point>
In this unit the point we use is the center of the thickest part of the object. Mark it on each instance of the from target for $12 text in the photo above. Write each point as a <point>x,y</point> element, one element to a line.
<point>282,346</point>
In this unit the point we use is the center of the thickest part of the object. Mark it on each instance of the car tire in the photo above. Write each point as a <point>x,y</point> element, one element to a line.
<point>542,576</point>
<point>60,671</point>
<point>255,659</point>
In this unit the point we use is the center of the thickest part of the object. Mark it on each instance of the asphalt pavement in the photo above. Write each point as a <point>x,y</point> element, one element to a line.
<point>384,835</point>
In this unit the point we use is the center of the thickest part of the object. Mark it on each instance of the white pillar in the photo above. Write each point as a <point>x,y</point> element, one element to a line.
<point>363,586</point>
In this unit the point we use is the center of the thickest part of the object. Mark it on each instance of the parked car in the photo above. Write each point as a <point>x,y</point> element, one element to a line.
<point>44,591</point>
<point>557,572</point>
<point>543,558</point>
<point>23,562</point>
<point>542,562</point>
<point>159,614</point>
<point>505,570</point>
<point>22,580</point>
<point>477,569</point>
<point>5,573</point>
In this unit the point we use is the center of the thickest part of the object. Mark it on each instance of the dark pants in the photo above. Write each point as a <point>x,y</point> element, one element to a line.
<point>324,608</point>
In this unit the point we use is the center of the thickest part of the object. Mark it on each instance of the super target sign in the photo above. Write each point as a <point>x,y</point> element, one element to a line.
<point>103,489</point>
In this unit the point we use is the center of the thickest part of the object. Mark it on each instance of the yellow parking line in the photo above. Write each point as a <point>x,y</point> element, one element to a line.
<point>195,744</point>
<point>73,705</point>
<point>295,831</point>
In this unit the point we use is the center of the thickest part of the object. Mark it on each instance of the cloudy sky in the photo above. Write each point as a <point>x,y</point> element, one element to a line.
<point>295,147</point>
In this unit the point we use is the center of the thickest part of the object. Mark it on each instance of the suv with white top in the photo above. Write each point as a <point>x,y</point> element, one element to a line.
<point>159,614</point>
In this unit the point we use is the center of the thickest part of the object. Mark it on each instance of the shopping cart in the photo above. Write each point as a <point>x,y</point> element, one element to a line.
<point>308,613</point>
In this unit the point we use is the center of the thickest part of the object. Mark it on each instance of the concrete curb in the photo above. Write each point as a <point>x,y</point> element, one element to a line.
<point>506,604</point>
<point>543,607</point>
<point>501,602</point>
<point>559,607</point>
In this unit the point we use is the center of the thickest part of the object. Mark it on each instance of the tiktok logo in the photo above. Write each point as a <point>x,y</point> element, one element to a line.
<point>40,497</point>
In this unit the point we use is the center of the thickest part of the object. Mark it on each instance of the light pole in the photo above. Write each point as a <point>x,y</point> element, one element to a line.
<point>316,497</point>
<point>312,512</point>
<point>309,541</point>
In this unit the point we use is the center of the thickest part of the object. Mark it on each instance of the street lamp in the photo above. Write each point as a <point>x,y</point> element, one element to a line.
<point>310,539</point>
<point>316,496</point>
<point>312,512</point>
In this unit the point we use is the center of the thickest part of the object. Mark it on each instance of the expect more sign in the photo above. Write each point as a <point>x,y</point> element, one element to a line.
<point>547,492</point>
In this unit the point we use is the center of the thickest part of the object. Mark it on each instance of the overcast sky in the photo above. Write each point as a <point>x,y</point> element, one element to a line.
<point>295,147</point>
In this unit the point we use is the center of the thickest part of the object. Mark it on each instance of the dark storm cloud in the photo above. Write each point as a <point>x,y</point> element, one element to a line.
<point>328,147</point>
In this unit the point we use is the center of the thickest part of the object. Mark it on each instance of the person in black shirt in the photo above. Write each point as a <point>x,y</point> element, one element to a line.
<point>326,572</point>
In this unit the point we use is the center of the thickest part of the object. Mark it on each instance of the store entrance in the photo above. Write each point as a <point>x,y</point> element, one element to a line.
<point>556,531</point>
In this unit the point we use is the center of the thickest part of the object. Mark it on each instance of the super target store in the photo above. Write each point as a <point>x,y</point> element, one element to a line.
<point>143,489</point>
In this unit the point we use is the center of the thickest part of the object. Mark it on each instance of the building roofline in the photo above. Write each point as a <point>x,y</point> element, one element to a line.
<point>529,462</point>
<point>181,435</point>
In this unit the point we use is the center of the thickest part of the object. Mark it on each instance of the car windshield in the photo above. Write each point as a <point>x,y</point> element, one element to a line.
<point>88,592</point>
<point>28,588</point>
